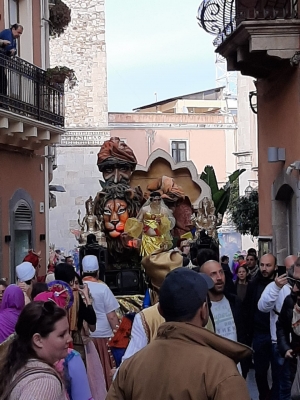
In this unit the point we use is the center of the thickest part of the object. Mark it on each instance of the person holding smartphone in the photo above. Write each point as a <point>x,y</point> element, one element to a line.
<point>271,301</point>
<point>288,332</point>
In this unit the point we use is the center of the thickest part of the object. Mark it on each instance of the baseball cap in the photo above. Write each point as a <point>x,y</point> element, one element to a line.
<point>183,292</point>
<point>90,263</point>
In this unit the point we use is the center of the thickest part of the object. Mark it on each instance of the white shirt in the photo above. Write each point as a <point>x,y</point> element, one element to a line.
<point>104,302</point>
<point>271,300</point>
<point>223,318</point>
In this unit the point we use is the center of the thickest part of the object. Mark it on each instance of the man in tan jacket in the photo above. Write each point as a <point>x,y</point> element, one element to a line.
<point>185,361</point>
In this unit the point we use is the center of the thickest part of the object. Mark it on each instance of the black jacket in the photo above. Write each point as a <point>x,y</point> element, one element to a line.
<point>85,313</point>
<point>284,327</point>
<point>238,316</point>
<point>229,285</point>
<point>256,321</point>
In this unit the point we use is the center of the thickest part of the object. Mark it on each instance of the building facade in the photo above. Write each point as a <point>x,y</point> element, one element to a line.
<point>197,126</point>
<point>264,43</point>
<point>81,47</point>
<point>31,119</point>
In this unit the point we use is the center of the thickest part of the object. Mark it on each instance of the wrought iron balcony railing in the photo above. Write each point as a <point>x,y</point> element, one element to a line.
<point>221,17</point>
<point>25,90</point>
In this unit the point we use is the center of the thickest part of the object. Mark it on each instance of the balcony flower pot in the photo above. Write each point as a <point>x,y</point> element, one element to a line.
<point>60,75</point>
<point>60,17</point>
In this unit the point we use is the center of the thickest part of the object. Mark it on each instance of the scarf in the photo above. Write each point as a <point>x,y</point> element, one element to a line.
<point>91,279</point>
<point>73,312</point>
<point>12,304</point>
<point>296,320</point>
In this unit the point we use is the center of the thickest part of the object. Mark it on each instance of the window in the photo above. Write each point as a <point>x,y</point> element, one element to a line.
<point>22,231</point>
<point>22,228</point>
<point>179,150</point>
<point>13,12</point>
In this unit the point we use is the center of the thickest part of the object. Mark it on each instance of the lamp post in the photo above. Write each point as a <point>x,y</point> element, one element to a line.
<point>248,190</point>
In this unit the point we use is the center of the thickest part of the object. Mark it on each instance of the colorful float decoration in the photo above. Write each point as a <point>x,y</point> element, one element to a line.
<point>141,209</point>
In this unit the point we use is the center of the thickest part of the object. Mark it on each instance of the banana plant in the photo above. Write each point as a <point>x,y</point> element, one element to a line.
<point>219,196</point>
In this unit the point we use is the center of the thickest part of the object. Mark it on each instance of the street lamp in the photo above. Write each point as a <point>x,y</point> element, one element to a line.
<point>248,190</point>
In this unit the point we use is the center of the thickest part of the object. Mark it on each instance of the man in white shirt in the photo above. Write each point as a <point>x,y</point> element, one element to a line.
<point>105,306</point>
<point>226,310</point>
<point>271,301</point>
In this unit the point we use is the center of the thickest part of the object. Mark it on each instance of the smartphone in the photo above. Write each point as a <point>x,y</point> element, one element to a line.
<point>281,270</point>
<point>81,286</point>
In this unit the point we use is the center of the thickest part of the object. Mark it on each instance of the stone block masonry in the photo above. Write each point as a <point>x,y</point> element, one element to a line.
<point>82,48</point>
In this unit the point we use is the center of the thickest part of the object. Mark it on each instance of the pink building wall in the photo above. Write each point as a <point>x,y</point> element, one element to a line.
<point>204,147</point>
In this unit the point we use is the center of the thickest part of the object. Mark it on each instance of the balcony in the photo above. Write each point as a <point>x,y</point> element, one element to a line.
<point>31,108</point>
<point>255,36</point>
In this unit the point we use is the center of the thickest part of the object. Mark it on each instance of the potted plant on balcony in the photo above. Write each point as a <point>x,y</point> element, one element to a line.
<point>61,74</point>
<point>60,17</point>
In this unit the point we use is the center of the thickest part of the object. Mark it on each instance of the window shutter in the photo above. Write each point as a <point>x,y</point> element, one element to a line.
<point>23,216</point>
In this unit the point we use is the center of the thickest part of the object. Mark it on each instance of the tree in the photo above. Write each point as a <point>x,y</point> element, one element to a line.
<point>234,196</point>
<point>244,214</point>
<point>220,196</point>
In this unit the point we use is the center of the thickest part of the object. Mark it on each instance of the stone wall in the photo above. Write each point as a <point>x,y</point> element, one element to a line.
<point>78,173</point>
<point>82,48</point>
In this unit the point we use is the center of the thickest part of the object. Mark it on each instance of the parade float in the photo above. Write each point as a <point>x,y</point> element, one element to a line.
<point>141,209</point>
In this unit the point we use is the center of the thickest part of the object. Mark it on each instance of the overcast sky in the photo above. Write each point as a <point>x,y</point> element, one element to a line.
<point>155,46</point>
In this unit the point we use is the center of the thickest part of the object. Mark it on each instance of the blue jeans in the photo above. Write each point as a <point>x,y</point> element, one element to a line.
<point>285,381</point>
<point>266,354</point>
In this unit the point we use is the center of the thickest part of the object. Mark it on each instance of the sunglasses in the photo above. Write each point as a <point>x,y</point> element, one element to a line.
<point>293,281</point>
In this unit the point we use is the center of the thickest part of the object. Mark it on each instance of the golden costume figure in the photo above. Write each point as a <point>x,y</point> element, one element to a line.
<point>154,222</point>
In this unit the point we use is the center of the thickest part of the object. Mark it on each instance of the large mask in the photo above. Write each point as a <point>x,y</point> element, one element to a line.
<point>116,161</point>
<point>116,203</point>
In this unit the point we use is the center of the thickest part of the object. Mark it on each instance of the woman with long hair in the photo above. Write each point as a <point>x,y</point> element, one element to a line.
<point>42,338</point>
<point>12,304</point>
<point>242,280</point>
<point>82,309</point>
<point>71,368</point>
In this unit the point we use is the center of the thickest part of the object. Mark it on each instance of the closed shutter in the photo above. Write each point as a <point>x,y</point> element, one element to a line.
<point>23,216</point>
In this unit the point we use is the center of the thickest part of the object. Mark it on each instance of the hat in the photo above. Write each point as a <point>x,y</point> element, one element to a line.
<point>59,292</point>
<point>33,257</point>
<point>50,277</point>
<point>183,292</point>
<point>90,264</point>
<point>25,271</point>
<point>158,264</point>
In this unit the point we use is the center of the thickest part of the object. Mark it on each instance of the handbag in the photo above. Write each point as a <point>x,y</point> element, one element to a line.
<point>295,392</point>
<point>25,374</point>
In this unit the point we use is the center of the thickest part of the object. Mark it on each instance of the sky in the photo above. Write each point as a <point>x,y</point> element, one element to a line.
<point>155,46</point>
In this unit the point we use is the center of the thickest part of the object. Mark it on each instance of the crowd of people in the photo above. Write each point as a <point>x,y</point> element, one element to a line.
<point>204,327</point>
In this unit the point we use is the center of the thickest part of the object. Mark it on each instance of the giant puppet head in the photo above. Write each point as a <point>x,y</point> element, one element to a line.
<point>116,203</point>
<point>116,161</point>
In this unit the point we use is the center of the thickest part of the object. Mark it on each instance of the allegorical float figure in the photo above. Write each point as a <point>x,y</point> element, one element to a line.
<point>154,222</point>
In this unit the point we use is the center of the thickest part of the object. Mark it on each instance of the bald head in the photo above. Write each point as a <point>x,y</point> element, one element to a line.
<point>268,265</point>
<point>215,271</point>
<point>208,265</point>
<point>289,261</point>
